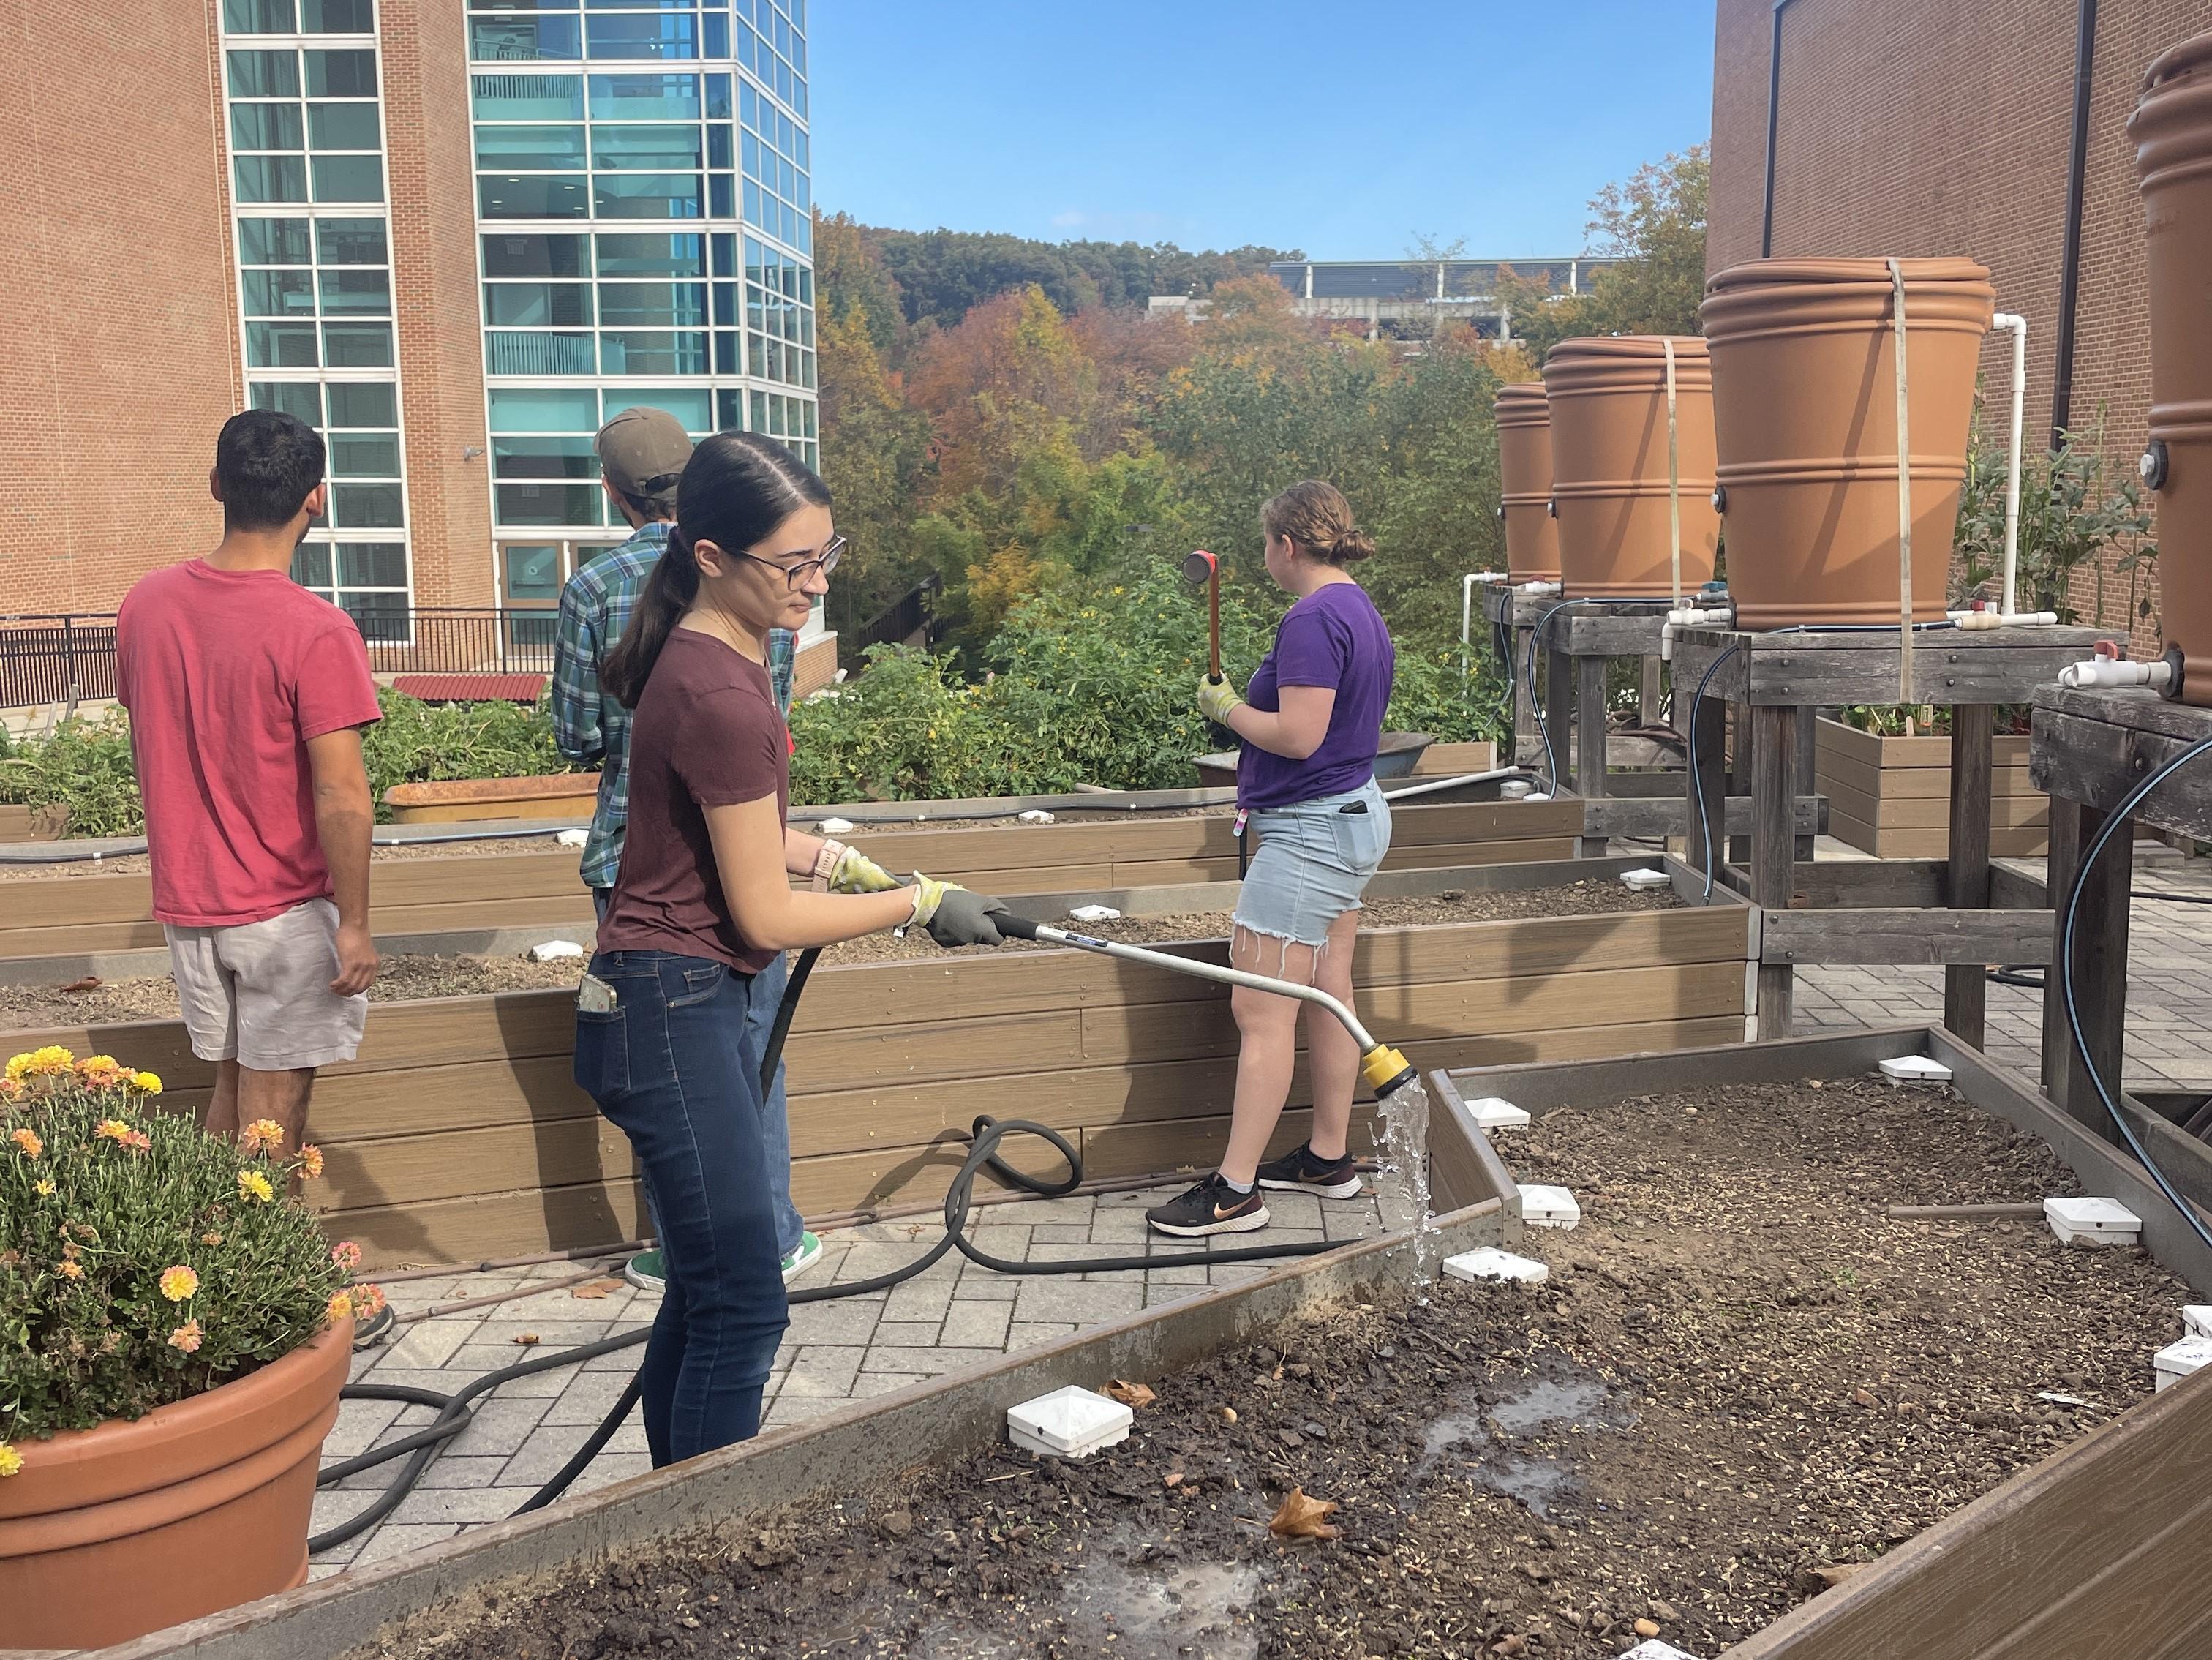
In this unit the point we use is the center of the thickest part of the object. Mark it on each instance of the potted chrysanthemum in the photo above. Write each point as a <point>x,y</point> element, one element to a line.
<point>174,1330</point>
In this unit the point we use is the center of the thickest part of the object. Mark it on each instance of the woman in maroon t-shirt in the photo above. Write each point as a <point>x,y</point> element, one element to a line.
<point>702,902</point>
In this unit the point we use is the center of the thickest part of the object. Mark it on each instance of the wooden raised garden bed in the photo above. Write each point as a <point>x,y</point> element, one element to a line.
<point>458,1133</point>
<point>1891,797</point>
<point>1669,1435</point>
<point>537,885</point>
<point>555,797</point>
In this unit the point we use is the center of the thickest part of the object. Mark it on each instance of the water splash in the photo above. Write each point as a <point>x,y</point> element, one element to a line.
<point>1404,1153</point>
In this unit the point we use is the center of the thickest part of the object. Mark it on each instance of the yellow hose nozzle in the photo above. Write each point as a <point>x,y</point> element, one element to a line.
<point>1385,1069</point>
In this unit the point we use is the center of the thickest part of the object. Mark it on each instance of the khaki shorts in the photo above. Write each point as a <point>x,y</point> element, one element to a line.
<point>260,993</point>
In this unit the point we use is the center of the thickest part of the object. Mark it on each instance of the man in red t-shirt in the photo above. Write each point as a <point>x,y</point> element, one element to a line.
<point>247,697</point>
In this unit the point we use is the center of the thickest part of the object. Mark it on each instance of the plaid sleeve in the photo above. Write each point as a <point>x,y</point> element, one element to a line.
<point>576,680</point>
<point>782,664</point>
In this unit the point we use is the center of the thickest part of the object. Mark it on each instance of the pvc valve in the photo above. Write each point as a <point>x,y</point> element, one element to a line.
<point>1998,619</point>
<point>2116,671</point>
<point>1385,1069</point>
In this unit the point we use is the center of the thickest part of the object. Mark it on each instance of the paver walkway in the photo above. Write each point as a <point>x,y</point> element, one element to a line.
<point>955,1314</point>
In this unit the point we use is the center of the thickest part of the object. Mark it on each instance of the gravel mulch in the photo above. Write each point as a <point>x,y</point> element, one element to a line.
<point>1742,1382</point>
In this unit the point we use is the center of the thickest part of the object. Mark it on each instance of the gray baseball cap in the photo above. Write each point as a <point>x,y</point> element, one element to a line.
<point>643,451</point>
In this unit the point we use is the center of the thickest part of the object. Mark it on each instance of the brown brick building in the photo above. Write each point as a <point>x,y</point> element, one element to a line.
<point>1906,127</point>
<point>454,235</point>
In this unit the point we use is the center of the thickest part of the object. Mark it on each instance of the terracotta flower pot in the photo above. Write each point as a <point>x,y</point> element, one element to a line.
<point>107,1533</point>
<point>1609,407</point>
<point>1524,478</point>
<point>1805,404</point>
<point>2173,131</point>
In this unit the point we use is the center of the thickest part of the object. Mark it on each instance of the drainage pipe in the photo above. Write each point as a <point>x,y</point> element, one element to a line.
<point>2018,324</point>
<point>2069,267</point>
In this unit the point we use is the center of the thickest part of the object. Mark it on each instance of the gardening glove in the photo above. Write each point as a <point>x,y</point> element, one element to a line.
<point>953,915</point>
<point>841,869</point>
<point>1216,698</point>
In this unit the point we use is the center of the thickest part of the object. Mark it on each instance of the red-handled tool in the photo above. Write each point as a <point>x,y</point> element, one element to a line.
<point>1201,570</point>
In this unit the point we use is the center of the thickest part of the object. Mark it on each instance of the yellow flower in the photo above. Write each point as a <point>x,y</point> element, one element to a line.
<point>178,1283</point>
<point>310,1161</point>
<point>143,1083</point>
<point>341,1307</point>
<point>262,1135</point>
<point>18,1066</point>
<point>10,1460</point>
<point>115,1130</point>
<point>252,1184</point>
<point>186,1337</point>
<point>27,1138</point>
<point>100,1071</point>
<point>44,1189</point>
<point>50,1059</point>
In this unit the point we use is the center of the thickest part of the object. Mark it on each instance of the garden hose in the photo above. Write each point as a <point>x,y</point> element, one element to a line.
<point>1384,1068</point>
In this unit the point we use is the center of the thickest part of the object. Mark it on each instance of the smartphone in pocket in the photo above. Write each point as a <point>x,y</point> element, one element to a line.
<point>596,996</point>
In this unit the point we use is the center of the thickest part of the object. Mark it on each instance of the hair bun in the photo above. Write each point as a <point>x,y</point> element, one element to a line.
<point>1352,544</point>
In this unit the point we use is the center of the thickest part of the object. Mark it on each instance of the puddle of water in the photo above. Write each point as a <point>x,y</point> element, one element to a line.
<point>1462,1435</point>
<point>1549,1400</point>
<point>946,1639</point>
<point>1404,1153</point>
<point>1167,1610</point>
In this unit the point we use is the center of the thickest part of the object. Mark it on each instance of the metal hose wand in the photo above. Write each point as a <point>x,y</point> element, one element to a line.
<point>1384,1068</point>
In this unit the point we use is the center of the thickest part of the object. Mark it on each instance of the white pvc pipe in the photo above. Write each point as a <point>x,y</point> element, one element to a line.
<point>1998,619</point>
<point>2018,324</point>
<point>2115,672</point>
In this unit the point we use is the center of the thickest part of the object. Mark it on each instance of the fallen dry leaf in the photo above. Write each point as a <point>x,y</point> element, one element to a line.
<point>1304,1517</point>
<point>524,1339</point>
<point>90,983</point>
<point>1837,1573</point>
<point>591,1289</point>
<point>1133,1396</point>
<point>1174,1479</point>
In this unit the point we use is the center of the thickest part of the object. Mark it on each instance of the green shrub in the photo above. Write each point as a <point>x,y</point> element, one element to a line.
<point>83,765</point>
<point>142,1260</point>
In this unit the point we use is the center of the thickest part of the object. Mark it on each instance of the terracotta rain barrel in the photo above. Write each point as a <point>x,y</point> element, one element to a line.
<point>2173,131</point>
<point>1609,405</point>
<point>1524,478</point>
<point>1805,406</point>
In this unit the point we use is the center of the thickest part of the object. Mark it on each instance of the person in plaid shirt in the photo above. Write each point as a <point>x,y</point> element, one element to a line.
<point>641,452</point>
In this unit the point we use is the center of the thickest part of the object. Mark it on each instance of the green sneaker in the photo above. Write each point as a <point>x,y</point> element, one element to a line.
<point>643,1271</point>
<point>808,1254</point>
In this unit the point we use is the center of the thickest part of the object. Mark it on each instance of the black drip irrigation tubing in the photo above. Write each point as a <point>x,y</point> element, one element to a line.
<point>454,1410</point>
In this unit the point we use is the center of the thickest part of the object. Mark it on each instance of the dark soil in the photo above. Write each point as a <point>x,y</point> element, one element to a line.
<point>1589,897</point>
<point>1742,1374</point>
<point>409,979</point>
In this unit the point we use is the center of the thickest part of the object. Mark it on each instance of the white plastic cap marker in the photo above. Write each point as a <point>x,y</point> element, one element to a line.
<point>1035,816</point>
<point>1544,1206</point>
<point>2178,1360</point>
<point>572,838</point>
<point>556,950</point>
<point>1495,1112</point>
<point>1645,878</point>
<point>1069,1423</point>
<point>1915,1069</point>
<point>2089,1221</point>
<point>835,826</point>
<point>2197,1320</point>
<point>1654,1650</point>
<point>1096,914</point>
<point>1488,1262</point>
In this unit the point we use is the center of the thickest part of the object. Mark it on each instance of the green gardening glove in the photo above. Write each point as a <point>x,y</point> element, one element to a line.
<point>1216,698</point>
<point>953,915</point>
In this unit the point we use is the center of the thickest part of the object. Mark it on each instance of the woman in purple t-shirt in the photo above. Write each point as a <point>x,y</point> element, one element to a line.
<point>1310,720</point>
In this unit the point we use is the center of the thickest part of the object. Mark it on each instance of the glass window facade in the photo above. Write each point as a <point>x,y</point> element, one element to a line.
<point>315,279</point>
<point>644,213</point>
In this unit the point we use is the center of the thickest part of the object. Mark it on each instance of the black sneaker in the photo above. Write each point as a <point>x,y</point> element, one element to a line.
<point>1302,1171</point>
<point>367,1334</point>
<point>1211,1207</point>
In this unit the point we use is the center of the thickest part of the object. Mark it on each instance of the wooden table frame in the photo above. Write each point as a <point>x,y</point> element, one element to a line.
<point>1777,679</point>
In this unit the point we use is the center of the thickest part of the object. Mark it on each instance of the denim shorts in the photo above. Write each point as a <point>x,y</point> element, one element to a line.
<point>1314,862</point>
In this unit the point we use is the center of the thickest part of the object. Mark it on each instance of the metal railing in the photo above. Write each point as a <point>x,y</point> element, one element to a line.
<point>915,614</point>
<point>64,659</point>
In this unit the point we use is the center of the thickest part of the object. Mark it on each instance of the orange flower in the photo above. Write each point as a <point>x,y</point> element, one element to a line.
<point>27,1138</point>
<point>211,1237</point>
<point>346,1255</point>
<point>72,1269</point>
<point>368,1301</point>
<point>186,1337</point>
<point>178,1283</point>
<point>252,1184</point>
<point>311,1160</point>
<point>341,1307</point>
<point>136,1141</point>
<point>100,1071</point>
<point>11,1088</point>
<point>262,1135</point>
<point>115,1130</point>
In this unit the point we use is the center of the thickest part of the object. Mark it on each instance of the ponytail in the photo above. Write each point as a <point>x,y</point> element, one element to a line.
<point>736,490</point>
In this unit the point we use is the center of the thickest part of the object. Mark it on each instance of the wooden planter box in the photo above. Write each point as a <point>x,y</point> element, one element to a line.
<point>33,824</point>
<point>77,916</point>
<point>1891,797</point>
<point>2093,1551</point>
<point>561,798</point>
<point>458,1133</point>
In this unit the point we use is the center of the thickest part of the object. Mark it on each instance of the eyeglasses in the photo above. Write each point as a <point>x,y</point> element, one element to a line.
<point>797,575</point>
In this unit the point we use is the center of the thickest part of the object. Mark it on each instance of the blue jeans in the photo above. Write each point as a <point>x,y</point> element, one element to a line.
<point>674,1066</point>
<point>763,999</point>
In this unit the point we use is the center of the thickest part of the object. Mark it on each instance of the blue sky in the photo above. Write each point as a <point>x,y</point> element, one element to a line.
<point>1345,129</point>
